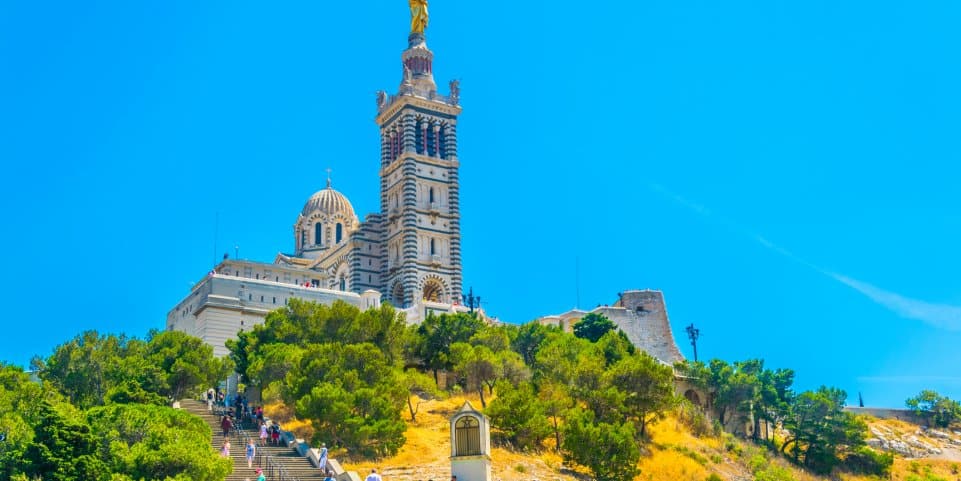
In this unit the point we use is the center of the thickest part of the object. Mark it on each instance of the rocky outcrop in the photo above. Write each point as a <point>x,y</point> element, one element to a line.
<point>918,443</point>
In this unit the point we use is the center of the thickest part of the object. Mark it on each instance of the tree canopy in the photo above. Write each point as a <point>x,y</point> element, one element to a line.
<point>938,410</point>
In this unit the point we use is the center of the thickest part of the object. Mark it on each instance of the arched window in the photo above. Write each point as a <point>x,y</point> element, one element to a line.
<point>430,195</point>
<point>433,250</point>
<point>339,232</point>
<point>343,283</point>
<point>467,435</point>
<point>318,233</point>
<point>397,297</point>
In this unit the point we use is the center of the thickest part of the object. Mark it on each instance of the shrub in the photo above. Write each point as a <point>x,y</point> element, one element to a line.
<point>693,417</point>
<point>865,460</point>
<point>714,477</point>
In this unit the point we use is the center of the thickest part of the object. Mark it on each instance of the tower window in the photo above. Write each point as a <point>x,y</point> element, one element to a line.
<point>430,195</point>
<point>432,248</point>
<point>343,284</point>
<point>318,233</point>
<point>339,232</point>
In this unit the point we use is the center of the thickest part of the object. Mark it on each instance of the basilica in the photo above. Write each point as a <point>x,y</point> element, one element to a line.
<point>407,254</point>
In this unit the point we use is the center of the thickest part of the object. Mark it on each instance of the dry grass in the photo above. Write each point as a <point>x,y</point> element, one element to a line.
<point>674,454</point>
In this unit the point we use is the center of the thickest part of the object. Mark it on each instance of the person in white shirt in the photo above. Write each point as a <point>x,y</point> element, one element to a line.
<point>373,476</point>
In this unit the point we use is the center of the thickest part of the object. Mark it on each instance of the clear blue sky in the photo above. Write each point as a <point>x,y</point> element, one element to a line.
<point>786,172</point>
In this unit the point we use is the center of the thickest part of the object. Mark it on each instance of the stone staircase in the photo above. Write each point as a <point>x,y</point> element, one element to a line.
<point>280,463</point>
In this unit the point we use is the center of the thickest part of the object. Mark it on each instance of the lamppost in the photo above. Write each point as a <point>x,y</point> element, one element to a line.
<point>693,333</point>
<point>470,299</point>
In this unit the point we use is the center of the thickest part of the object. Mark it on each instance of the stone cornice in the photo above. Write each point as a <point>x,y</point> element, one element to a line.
<point>400,101</point>
<point>420,159</point>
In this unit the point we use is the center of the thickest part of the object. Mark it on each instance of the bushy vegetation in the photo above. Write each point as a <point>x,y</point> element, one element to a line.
<point>938,410</point>
<point>352,375</point>
<point>100,411</point>
<point>751,400</point>
<point>339,367</point>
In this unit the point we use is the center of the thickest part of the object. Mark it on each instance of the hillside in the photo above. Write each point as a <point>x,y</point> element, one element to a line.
<point>674,454</point>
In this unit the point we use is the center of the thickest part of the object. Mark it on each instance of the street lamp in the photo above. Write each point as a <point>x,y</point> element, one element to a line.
<point>693,333</point>
<point>470,299</point>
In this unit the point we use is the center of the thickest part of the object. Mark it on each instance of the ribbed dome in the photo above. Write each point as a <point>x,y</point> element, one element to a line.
<point>330,202</point>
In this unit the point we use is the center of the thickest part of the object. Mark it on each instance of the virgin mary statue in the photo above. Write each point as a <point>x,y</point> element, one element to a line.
<point>418,16</point>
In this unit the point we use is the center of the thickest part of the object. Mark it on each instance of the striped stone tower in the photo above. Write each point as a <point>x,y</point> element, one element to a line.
<point>419,187</point>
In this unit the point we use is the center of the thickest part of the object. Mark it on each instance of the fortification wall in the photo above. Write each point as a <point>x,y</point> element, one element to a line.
<point>642,315</point>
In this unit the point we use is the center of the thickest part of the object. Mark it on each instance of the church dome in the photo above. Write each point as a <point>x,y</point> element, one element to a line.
<point>329,202</point>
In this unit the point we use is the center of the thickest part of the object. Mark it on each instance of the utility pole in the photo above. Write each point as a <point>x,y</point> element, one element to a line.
<point>693,333</point>
<point>470,299</point>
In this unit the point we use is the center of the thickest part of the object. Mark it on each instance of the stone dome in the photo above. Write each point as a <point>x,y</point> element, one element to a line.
<point>329,202</point>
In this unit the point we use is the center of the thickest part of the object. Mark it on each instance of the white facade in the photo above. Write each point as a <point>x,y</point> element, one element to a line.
<point>237,295</point>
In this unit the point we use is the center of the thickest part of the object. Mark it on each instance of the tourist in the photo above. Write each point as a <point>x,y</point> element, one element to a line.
<point>225,425</point>
<point>225,449</point>
<point>275,435</point>
<point>260,475</point>
<point>322,462</point>
<point>329,476</point>
<point>373,476</point>
<point>251,451</point>
<point>263,433</point>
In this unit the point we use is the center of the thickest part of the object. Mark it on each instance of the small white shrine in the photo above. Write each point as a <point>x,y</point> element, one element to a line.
<point>470,445</point>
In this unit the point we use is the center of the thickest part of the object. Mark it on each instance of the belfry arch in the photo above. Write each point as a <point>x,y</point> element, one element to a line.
<point>433,290</point>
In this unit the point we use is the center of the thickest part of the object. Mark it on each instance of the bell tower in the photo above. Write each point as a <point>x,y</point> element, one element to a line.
<point>419,186</point>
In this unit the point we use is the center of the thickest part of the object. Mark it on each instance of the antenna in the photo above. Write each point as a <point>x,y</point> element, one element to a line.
<point>577,282</point>
<point>216,228</point>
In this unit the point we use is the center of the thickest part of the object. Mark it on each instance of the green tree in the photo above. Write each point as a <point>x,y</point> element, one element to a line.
<point>419,387</point>
<point>938,410</point>
<point>63,449</point>
<point>593,326</point>
<point>607,449</point>
<point>87,366</point>
<point>352,396</point>
<point>774,399</point>
<point>272,362</point>
<point>383,327</point>
<point>437,334</point>
<point>556,400</point>
<point>495,338</point>
<point>529,338</point>
<point>558,357</point>
<point>150,443</point>
<point>186,362</point>
<point>616,346</point>
<point>477,366</point>
<point>519,415</point>
<point>648,386</point>
<point>19,412</point>
<point>131,392</point>
<point>821,432</point>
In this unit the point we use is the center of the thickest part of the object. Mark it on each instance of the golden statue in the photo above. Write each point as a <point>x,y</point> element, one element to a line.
<point>418,16</point>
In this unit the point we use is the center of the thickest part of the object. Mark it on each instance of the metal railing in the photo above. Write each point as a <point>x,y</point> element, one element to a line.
<point>274,469</point>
